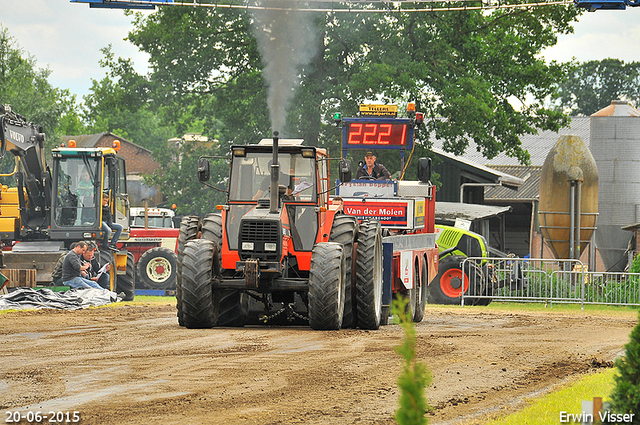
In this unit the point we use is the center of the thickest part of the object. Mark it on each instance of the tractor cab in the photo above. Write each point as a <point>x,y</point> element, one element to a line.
<point>272,211</point>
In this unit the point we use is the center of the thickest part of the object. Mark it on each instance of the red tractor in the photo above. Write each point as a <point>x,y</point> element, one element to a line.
<point>280,252</point>
<point>153,241</point>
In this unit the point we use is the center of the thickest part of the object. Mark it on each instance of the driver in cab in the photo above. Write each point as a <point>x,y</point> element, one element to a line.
<point>372,170</point>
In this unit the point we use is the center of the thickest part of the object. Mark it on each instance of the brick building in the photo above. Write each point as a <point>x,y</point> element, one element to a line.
<point>139,161</point>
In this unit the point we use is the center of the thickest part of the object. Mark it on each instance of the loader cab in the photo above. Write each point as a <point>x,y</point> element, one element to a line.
<point>79,177</point>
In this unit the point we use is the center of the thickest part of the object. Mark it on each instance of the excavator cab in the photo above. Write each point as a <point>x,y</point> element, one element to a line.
<point>80,177</point>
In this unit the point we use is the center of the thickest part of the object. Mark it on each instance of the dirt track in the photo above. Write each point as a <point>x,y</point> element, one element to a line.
<point>134,365</point>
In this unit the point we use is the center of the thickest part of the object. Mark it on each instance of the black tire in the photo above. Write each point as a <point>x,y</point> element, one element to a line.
<point>344,231</point>
<point>189,228</point>
<point>446,287</point>
<point>234,305</point>
<point>233,308</point>
<point>126,283</point>
<point>421,294</point>
<point>105,257</point>
<point>369,275</point>
<point>386,312</point>
<point>212,231</point>
<point>326,286</point>
<point>199,301</point>
<point>157,268</point>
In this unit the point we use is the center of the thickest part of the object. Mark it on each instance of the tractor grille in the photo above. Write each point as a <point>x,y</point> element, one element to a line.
<point>260,233</point>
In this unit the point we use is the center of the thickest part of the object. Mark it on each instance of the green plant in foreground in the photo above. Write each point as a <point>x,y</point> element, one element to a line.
<point>415,376</point>
<point>625,397</point>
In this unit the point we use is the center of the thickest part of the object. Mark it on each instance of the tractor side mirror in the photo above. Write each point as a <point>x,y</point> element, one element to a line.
<point>424,170</point>
<point>344,170</point>
<point>204,170</point>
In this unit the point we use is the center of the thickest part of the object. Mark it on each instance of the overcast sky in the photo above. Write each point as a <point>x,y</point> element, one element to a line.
<point>67,38</point>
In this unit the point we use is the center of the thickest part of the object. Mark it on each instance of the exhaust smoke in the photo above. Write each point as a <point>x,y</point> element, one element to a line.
<point>287,40</point>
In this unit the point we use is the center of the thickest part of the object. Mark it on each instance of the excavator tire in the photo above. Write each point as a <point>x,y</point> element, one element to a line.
<point>199,301</point>
<point>105,257</point>
<point>126,283</point>
<point>369,275</point>
<point>344,231</point>
<point>326,286</point>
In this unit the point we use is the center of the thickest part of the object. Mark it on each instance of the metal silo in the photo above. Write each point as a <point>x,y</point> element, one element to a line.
<point>615,146</point>
<point>568,197</point>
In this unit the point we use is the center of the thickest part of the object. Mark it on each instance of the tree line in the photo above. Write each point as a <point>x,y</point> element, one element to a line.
<point>476,75</point>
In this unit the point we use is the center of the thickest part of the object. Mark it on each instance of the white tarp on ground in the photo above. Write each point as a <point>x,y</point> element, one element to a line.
<point>73,299</point>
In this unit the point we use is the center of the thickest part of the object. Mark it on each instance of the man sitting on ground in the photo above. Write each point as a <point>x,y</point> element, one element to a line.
<point>73,270</point>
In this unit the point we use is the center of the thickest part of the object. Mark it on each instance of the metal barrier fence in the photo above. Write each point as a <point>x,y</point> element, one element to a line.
<point>543,280</point>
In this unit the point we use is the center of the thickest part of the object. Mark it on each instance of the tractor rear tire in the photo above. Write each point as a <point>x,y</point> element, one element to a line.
<point>369,275</point>
<point>326,286</point>
<point>199,301</point>
<point>344,231</point>
<point>450,283</point>
<point>189,228</point>
<point>157,268</point>
<point>421,294</point>
<point>126,283</point>
<point>233,308</point>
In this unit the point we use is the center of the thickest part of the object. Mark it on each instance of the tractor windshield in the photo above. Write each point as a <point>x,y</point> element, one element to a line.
<point>77,199</point>
<point>251,177</point>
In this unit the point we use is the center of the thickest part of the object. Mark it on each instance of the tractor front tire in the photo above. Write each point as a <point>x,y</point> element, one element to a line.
<point>344,231</point>
<point>189,228</point>
<point>421,294</point>
<point>369,275</point>
<point>326,286</point>
<point>199,301</point>
<point>157,268</point>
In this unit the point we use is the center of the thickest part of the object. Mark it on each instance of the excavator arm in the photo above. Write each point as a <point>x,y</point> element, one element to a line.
<point>25,141</point>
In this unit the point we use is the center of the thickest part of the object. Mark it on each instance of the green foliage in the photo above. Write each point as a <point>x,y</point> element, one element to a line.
<point>462,68</point>
<point>625,397</point>
<point>178,179</point>
<point>591,86</point>
<point>415,376</point>
<point>118,103</point>
<point>635,266</point>
<point>26,88</point>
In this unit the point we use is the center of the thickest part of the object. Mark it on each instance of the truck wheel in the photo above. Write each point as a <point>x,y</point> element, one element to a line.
<point>233,308</point>
<point>199,301</point>
<point>344,231</point>
<point>189,227</point>
<point>421,294</point>
<point>157,268</point>
<point>326,286</point>
<point>450,283</point>
<point>369,275</point>
<point>127,282</point>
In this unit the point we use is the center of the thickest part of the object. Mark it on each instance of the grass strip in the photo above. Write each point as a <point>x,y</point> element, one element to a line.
<point>547,409</point>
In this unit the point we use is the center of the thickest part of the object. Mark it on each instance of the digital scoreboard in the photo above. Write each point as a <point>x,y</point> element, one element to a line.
<point>377,133</point>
